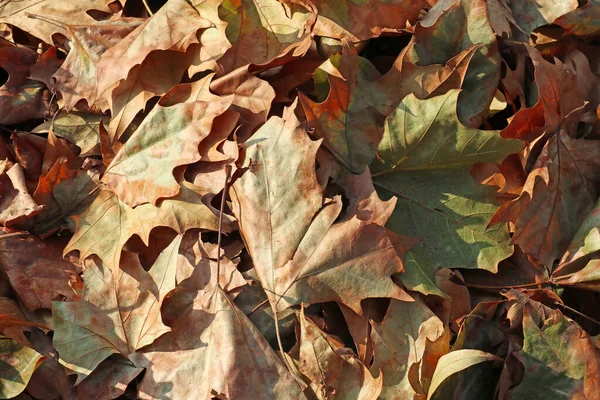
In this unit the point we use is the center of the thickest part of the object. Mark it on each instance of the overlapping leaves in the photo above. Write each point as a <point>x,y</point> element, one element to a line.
<point>294,199</point>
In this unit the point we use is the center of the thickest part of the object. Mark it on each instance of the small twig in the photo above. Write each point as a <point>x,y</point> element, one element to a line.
<point>566,307</point>
<point>220,234</point>
<point>455,279</point>
<point>147,7</point>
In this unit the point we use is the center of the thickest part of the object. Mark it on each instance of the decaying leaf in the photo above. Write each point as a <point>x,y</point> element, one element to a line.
<point>119,311</point>
<point>425,226</point>
<point>214,349</point>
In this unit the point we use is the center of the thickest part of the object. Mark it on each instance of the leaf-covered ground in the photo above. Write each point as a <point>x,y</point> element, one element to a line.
<point>290,199</point>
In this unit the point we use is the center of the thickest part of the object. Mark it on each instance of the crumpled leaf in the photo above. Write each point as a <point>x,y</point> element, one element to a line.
<point>214,349</point>
<point>362,20</point>
<point>291,234</point>
<point>104,228</point>
<point>553,368</point>
<point>457,361</point>
<point>118,313</point>
<point>334,371</point>
<point>167,138</point>
<point>32,16</point>
<point>426,154</point>
<point>399,341</point>
<point>564,174</point>
<point>37,270</point>
<point>17,364</point>
<point>79,128</point>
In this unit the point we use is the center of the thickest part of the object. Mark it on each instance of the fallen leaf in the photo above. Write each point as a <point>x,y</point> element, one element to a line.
<point>107,215</point>
<point>432,183</point>
<point>184,362</point>
<point>399,341</point>
<point>333,370</point>
<point>457,361</point>
<point>18,364</point>
<point>279,197</point>
<point>36,270</point>
<point>118,313</point>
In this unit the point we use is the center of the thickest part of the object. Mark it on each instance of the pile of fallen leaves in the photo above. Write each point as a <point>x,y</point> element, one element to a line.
<point>286,199</point>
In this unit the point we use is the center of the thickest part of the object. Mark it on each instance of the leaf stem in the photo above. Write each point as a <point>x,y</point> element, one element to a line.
<point>220,234</point>
<point>147,7</point>
<point>14,235</point>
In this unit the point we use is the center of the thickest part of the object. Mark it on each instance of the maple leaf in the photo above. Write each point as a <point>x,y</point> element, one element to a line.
<point>562,175</point>
<point>426,154</point>
<point>288,226</point>
<point>364,19</point>
<point>435,157</point>
<point>399,341</point>
<point>332,370</point>
<point>119,311</point>
<point>167,138</point>
<point>36,270</point>
<point>183,362</point>
<point>45,18</point>
<point>107,215</point>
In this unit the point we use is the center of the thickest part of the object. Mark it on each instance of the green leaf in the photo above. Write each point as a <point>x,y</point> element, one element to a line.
<point>425,157</point>
<point>560,359</point>
<point>17,364</point>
